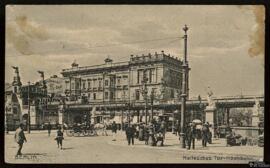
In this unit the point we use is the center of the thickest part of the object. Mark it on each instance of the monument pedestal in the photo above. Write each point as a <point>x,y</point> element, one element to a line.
<point>33,115</point>
<point>209,117</point>
<point>60,114</point>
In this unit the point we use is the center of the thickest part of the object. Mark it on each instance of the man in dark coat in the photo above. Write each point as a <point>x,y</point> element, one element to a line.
<point>49,127</point>
<point>205,132</point>
<point>146,135</point>
<point>191,135</point>
<point>130,131</point>
<point>20,138</point>
<point>114,130</point>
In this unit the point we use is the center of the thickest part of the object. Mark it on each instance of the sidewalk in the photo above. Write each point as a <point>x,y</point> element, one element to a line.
<point>218,147</point>
<point>33,132</point>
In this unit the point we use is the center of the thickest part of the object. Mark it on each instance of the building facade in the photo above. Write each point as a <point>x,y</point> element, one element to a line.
<point>134,86</point>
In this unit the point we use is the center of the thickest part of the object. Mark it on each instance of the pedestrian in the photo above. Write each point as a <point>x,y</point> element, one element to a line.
<point>152,135</point>
<point>163,127</point>
<point>59,137</point>
<point>141,132</point>
<point>137,131</point>
<point>114,130</point>
<point>20,138</point>
<point>146,135</point>
<point>49,128</point>
<point>177,127</point>
<point>130,131</point>
<point>218,132</point>
<point>205,132</point>
<point>104,130</point>
<point>191,135</point>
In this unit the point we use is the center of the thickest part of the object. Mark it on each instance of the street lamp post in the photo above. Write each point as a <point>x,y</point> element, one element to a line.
<point>28,122</point>
<point>152,103</point>
<point>184,90</point>
<point>144,91</point>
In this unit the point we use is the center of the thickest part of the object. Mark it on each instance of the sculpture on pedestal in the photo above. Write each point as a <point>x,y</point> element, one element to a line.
<point>211,102</point>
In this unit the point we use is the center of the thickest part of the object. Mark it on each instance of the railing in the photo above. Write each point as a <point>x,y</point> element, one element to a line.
<point>95,67</point>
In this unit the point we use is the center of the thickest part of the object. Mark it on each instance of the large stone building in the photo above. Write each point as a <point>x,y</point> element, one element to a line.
<point>108,89</point>
<point>135,90</point>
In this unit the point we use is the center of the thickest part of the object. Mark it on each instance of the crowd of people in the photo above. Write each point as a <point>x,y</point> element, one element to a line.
<point>151,134</point>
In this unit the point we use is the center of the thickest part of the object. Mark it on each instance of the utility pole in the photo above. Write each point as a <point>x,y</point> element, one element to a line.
<point>144,93</point>
<point>152,104</point>
<point>28,122</point>
<point>185,69</point>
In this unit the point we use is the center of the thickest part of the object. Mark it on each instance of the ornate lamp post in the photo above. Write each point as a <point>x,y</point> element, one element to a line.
<point>152,96</point>
<point>185,69</point>
<point>144,92</point>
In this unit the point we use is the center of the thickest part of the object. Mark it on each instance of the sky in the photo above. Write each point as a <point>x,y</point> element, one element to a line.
<point>225,43</point>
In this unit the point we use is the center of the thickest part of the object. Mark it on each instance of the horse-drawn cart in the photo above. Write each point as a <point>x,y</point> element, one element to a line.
<point>81,130</point>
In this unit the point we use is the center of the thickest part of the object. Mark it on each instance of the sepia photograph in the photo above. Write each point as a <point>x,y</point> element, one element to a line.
<point>95,84</point>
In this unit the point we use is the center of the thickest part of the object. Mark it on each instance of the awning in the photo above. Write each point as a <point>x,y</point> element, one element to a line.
<point>117,119</point>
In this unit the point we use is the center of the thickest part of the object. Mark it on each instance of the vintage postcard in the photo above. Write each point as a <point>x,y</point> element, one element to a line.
<point>134,84</point>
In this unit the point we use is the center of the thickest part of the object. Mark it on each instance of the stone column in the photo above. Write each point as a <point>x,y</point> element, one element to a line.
<point>255,113</point>
<point>60,114</point>
<point>33,115</point>
<point>209,117</point>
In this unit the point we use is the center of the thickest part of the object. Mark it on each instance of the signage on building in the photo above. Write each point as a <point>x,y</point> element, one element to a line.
<point>55,85</point>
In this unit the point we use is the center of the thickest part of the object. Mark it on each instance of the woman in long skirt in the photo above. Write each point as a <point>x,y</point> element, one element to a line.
<point>59,137</point>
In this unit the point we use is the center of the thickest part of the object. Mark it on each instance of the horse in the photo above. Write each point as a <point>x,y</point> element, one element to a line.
<point>101,127</point>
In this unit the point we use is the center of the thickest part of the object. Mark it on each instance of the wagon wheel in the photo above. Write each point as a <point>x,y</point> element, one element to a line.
<point>85,133</point>
<point>76,134</point>
<point>69,133</point>
<point>93,132</point>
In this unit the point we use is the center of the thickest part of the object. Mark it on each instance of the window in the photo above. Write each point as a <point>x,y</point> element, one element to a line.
<point>94,96</point>
<point>172,93</point>
<point>72,86</point>
<point>138,76</point>
<point>77,85</point>
<point>150,76</point>
<point>83,85</point>
<point>106,95</point>
<point>99,83</point>
<point>106,82</point>
<point>119,81</point>
<point>111,95</point>
<point>15,110</point>
<point>137,92</point>
<point>89,84</point>
<point>94,82</point>
<point>67,84</point>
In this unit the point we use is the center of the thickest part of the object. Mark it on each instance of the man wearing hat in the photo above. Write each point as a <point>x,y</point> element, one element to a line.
<point>130,131</point>
<point>191,135</point>
<point>20,138</point>
<point>205,132</point>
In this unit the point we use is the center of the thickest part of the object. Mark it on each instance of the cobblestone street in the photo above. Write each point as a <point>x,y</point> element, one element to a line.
<point>101,149</point>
